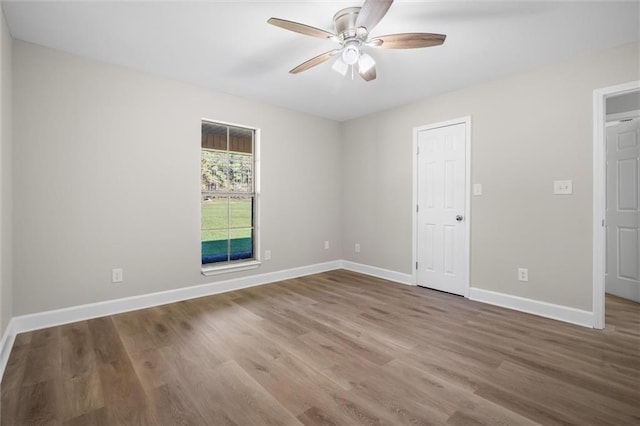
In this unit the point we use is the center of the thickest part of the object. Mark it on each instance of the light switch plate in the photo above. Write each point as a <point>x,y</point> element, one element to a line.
<point>477,189</point>
<point>563,187</point>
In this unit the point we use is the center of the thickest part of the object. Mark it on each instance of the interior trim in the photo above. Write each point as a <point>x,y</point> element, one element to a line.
<point>629,115</point>
<point>225,268</point>
<point>536,307</point>
<point>6,344</point>
<point>40,320</point>
<point>374,271</point>
<point>599,193</point>
<point>52,318</point>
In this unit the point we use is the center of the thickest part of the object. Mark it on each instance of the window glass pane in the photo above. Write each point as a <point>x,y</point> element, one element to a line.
<point>215,246</point>
<point>241,140</point>
<point>241,212</point>
<point>216,236</point>
<point>215,212</point>
<point>215,170</point>
<point>241,172</point>
<point>214,136</point>
<point>241,244</point>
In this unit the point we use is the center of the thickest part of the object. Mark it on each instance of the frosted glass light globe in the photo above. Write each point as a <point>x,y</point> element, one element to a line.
<point>350,54</point>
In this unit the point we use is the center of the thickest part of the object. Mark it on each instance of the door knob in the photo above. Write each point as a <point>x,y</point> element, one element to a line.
<point>459,218</point>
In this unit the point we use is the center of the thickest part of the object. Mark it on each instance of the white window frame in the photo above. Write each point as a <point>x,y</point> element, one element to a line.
<point>255,262</point>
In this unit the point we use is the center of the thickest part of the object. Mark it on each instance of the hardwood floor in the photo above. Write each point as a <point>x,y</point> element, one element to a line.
<point>333,348</point>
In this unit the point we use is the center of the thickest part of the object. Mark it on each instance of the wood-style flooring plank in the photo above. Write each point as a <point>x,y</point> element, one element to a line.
<point>39,403</point>
<point>337,348</point>
<point>107,345</point>
<point>120,384</point>
<point>173,406</point>
<point>152,369</point>
<point>81,394</point>
<point>11,384</point>
<point>78,356</point>
<point>44,363</point>
<point>97,417</point>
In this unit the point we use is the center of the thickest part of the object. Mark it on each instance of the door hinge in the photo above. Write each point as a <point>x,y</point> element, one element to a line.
<point>417,208</point>
<point>603,222</point>
<point>417,150</point>
<point>416,265</point>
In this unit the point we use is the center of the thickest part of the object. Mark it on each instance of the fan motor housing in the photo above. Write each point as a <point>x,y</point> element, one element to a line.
<point>344,22</point>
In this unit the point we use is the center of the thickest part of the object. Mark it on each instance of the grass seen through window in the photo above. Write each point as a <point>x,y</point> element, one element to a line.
<point>215,217</point>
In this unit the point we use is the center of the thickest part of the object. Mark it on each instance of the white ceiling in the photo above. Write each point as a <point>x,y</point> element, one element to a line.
<point>227,46</point>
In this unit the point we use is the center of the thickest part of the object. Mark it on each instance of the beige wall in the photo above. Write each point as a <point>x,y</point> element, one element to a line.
<point>527,131</point>
<point>106,164</point>
<point>6,281</point>
<point>106,174</point>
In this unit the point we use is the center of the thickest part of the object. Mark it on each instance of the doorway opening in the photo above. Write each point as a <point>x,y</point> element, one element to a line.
<point>610,104</point>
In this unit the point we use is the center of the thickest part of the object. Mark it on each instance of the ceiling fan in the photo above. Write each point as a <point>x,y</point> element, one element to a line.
<point>353,26</point>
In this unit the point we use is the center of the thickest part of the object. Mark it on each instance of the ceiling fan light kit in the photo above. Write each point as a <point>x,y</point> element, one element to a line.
<point>340,67</point>
<point>352,28</point>
<point>366,62</point>
<point>351,52</point>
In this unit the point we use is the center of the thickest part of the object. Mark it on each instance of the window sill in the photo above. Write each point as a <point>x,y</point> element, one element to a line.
<point>233,267</point>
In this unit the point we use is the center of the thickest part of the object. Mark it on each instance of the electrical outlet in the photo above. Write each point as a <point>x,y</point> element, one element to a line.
<point>116,275</point>
<point>523,274</point>
<point>357,248</point>
<point>267,255</point>
<point>326,245</point>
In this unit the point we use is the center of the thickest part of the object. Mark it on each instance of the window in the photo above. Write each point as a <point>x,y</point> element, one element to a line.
<point>228,195</point>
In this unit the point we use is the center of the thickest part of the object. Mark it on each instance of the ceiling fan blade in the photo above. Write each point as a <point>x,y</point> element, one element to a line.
<point>407,40</point>
<point>372,12</point>
<point>300,28</point>
<point>369,74</point>
<point>314,61</point>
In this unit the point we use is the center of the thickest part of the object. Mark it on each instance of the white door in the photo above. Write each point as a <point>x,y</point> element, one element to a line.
<point>442,261</point>
<point>622,274</point>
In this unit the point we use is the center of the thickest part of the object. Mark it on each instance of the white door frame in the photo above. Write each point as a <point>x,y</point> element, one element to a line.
<point>599,191</point>
<point>467,199</point>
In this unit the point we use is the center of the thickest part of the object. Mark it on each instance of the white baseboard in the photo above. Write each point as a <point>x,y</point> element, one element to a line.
<point>8,337</point>
<point>626,290</point>
<point>386,274</point>
<point>543,309</point>
<point>40,320</point>
<point>46,319</point>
